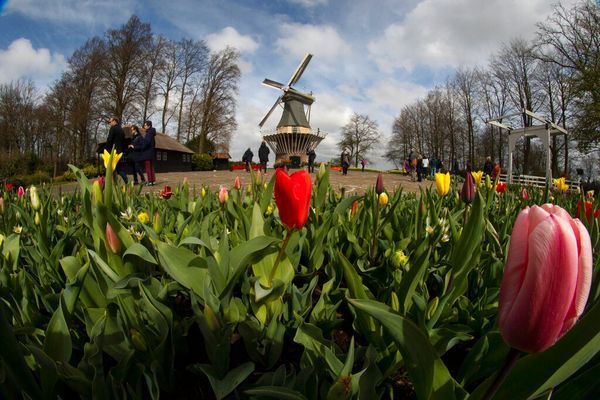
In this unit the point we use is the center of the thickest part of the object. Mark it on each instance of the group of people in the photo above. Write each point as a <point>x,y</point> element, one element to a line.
<point>140,153</point>
<point>263,157</point>
<point>418,166</point>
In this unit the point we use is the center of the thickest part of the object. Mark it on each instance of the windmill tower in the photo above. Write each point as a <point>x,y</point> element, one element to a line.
<point>293,136</point>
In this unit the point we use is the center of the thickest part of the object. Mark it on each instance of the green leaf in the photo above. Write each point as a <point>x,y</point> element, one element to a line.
<point>57,342</point>
<point>427,372</point>
<point>137,249</point>
<point>222,387</point>
<point>275,392</point>
<point>183,265</point>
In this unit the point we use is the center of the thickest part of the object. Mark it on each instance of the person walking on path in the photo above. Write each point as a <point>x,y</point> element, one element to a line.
<point>263,156</point>
<point>148,152</point>
<point>488,167</point>
<point>247,158</point>
<point>311,160</point>
<point>345,159</point>
<point>363,162</point>
<point>135,151</point>
<point>116,139</point>
<point>412,160</point>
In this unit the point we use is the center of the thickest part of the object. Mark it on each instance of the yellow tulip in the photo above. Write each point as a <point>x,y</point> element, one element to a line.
<point>442,183</point>
<point>115,159</point>
<point>477,177</point>
<point>383,199</point>
<point>561,185</point>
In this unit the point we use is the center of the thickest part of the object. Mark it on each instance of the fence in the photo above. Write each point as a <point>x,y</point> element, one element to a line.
<point>539,181</point>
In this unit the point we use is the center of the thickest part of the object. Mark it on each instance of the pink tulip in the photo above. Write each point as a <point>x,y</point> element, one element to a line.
<point>524,194</point>
<point>546,280</point>
<point>237,183</point>
<point>223,195</point>
<point>20,192</point>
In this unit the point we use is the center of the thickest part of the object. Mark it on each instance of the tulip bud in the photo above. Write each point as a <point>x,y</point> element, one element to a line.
<point>223,195</point>
<point>138,341</point>
<point>269,209</point>
<point>249,189</point>
<point>383,199</point>
<point>101,181</point>
<point>468,190</point>
<point>2,237</point>
<point>143,217</point>
<point>237,183</point>
<point>322,171</point>
<point>354,209</point>
<point>547,278</point>
<point>35,198</point>
<point>112,240</point>
<point>97,196</point>
<point>488,182</point>
<point>157,223</point>
<point>524,194</point>
<point>258,178</point>
<point>20,191</point>
<point>203,192</point>
<point>379,184</point>
<point>37,219</point>
<point>1,205</point>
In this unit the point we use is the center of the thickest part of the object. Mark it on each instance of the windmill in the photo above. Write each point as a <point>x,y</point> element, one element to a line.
<point>293,136</point>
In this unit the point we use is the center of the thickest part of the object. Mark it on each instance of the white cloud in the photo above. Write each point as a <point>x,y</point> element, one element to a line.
<point>394,94</point>
<point>229,36</point>
<point>21,60</point>
<point>310,3</point>
<point>323,42</point>
<point>90,12</point>
<point>449,33</point>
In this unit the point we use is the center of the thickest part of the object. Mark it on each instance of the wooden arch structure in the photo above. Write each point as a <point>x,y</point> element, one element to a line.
<point>543,131</point>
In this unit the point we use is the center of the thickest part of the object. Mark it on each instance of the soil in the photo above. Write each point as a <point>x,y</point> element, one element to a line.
<point>356,182</point>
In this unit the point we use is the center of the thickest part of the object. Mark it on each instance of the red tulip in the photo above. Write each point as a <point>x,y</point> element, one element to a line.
<point>588,210</point>
<point>354,209</point>
<point>8,186</point>
<point>166,193</point>
<point>524,194</point>
<point>101,182</point>
<point>292,195</point>
<point>546,280</point>
<point>20,191</point>
<point>501,187</point>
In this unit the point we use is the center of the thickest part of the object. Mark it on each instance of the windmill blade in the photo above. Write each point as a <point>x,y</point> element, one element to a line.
<point>300,70</point>
<point>273,84</point>
<point>260,125</point>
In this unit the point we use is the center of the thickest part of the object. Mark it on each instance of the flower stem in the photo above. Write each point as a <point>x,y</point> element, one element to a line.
<point>279,256</point>
<point>509,362</point>
<point>375,229</point>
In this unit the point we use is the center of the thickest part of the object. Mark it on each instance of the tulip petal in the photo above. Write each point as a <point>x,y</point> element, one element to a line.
<point>292,195</point>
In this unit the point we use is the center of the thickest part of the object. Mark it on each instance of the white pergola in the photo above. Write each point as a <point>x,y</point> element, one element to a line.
<point>544,132</point>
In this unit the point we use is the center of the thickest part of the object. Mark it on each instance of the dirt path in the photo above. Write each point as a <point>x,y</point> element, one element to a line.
<point>355,182</point>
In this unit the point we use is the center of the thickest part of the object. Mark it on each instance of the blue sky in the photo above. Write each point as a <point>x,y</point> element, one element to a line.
<point>370,56</point>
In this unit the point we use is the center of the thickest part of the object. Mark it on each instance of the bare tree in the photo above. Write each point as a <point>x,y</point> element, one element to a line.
<point>359,136</point>
<point>151,69</point>
<point>216,110</point>
<point>193,56</point>
<point>127,52</point>
<point>571,39</point>
<point>167,81</point>
<point>465,84</point>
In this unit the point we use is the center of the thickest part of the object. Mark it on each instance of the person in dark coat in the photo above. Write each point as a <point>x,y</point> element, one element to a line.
<point>488,167</point>
<point>247,158</point>
<point>345,160</point>
<point>116,139</point>
<point>311,160</point>
<point>148,152</point>
<point>263,156</point>
<point>135,151</point>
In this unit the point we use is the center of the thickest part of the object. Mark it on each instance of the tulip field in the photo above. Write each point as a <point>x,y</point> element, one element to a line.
<point>288,289</point>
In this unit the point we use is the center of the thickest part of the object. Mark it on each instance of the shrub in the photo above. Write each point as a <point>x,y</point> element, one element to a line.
<point>202,162</point>
<point>90,170</point>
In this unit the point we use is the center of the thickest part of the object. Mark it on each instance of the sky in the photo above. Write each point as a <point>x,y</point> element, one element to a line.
<point>370,57</point>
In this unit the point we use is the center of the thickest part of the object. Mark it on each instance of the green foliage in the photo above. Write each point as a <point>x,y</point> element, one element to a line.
<point>194,304</point>
<point>202,162</point>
